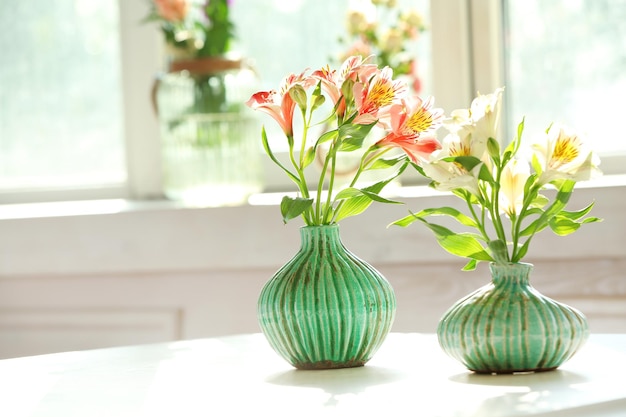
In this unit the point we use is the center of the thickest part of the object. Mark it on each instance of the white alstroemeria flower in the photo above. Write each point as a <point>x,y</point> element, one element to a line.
<point>450,175</point>
<point>562,154</point>
<point>485,111</point>
<point>512,181</point>
<point>478,123</point>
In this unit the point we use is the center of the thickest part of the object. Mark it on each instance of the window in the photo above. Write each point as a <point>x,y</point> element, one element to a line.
<point>61,114</point>
<point>565,61</point>
<point>76,75</point>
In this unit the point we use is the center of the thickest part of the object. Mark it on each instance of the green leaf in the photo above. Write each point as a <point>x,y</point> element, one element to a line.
<point>535,227</point>
<point>352,207</point>
<point>499,251</point>
<point>560,201</point>
<point>591,220</point>
<point>317,98</point>
<point>309,157</point>
<point>459,244</point>
<point>454,213</point>
<point>357,201</point>
<point>467,162</point>
<point>291,208</point>
<point>575,215</point>
<point>386,163</point>
<point>269,152</point>
<point>405,221</point>
<point>328,136</point>
<point>563,226</point>
<point>534,162</point>
<point>350,144</point>
<point>471,265</point>
<point>485,175</point>
<point>420,170</point>
<point>355,192</point>
<point>351,136</point>
<point>539,201</point>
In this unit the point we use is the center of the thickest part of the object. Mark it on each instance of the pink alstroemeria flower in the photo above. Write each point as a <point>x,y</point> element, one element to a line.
<point>378,93</point>
<point>331,85</point>
<point>356,69</point>
<point>353,68</point>
<point>172,10</point>
<point>413,123</point>
<point>279,104</point>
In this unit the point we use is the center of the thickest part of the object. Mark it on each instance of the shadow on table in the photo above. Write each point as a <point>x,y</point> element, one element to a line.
<point>563,378</point>
<point>553,393</point>
<point>338,382</point>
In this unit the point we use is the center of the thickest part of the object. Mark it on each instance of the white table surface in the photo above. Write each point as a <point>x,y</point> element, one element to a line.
<point>242,376</point>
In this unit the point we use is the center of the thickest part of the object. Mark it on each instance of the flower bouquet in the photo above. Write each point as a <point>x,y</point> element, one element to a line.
<point>506,326</point>
<point>502,187</point>
<point>326,308</point>
<point>355,99</point>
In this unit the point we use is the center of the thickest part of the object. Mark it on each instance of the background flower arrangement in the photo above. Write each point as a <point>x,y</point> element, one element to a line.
<point>383,29</point>
<point>194,28</point>
<point>503,187</point>
<point>208,152</point>
<point>353,100</point>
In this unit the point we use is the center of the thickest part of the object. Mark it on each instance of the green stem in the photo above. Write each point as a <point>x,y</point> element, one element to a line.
<point>479,221</point>
<point>302,179</point>
<point>320,184</point>
<point>366,160</point>
<point>331,183</point>
<point>495,212</point>
<point>517,224</point>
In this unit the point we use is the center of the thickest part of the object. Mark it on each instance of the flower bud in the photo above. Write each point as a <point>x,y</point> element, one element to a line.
<point>298,95</point>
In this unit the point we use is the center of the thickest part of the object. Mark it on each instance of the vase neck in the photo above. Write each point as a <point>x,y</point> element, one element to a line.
<point>513,273</point>
<point>316,236</point>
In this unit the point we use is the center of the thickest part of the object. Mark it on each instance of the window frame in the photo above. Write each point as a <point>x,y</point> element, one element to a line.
<point>467,52</point>
<point>489,72</point>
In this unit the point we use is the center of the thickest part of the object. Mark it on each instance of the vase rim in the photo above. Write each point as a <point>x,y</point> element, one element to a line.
<point>315,226</point>
<point>496,264</point>
<point>206,65</point>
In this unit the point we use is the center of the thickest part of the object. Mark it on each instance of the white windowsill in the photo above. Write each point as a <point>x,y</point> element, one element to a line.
<point>124,237</point>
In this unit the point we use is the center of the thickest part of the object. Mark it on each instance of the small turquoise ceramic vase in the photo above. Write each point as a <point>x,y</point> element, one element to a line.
<point>326,308</point>
<point>507,326</point>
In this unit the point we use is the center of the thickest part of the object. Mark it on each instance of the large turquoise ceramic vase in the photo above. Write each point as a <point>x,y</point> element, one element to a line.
<point>326,308</point>
<point>507,326</point>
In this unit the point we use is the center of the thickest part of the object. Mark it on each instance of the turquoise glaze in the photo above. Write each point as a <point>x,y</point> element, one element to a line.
<point>507,326</point>
<point>326,308</point>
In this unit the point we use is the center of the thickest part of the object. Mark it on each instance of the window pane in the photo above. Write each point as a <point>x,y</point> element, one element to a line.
<point>284,36</point>
<point>290,35</point>
<point>60,94</point>
<point>566,62</point>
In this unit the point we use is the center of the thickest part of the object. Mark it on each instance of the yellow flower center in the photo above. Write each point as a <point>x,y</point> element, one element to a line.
<point>565,150</point>
<point>460,149</point>
<point>420,121</point>
<point>381,94</point>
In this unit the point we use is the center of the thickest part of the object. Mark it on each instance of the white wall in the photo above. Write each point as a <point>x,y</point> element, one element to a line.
<point>150,272</point>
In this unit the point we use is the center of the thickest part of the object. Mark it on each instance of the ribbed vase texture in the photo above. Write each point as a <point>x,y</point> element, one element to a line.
<point>326,308</point>
<point>507,326</point>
